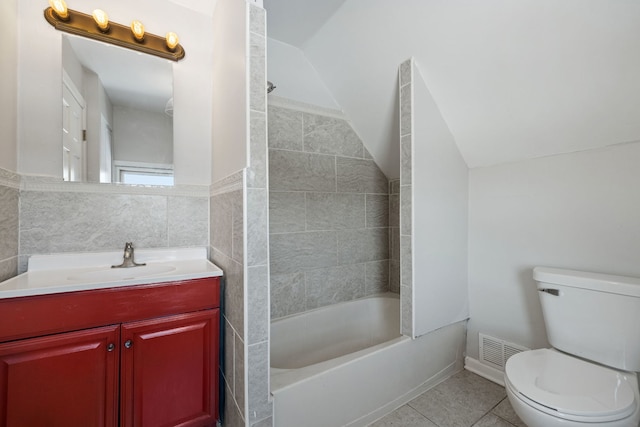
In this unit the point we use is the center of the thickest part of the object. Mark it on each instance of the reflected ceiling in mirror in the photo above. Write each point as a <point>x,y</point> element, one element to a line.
<point>128,112</point>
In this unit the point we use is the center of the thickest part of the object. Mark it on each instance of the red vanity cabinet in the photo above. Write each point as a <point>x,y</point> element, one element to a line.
<point>65,379</point>
<point>168,374</point>
<point>144,355</point>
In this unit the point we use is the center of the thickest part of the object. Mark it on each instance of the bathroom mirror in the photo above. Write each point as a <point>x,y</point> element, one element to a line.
<point>124,101</point>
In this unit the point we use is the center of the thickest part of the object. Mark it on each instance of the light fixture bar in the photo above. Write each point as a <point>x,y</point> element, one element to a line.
<point>84,25</point>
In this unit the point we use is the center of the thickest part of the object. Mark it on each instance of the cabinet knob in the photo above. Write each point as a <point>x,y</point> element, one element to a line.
<point>111,347</point>
<point>128,344</point>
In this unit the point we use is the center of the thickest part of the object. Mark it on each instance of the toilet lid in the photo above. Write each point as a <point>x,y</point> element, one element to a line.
<point>570,386</point>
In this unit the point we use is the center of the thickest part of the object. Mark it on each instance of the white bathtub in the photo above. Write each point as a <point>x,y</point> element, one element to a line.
<point>347,364</point>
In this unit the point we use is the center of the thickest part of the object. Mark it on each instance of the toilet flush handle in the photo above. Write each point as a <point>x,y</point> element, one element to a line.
<point>554,292</point>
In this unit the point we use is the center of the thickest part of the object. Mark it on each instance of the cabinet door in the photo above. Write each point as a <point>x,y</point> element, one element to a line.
<point>169,371</point>
<point>63,380</point>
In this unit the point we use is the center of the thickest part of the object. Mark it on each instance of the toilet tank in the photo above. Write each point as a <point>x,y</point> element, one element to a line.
<point>593,316</point>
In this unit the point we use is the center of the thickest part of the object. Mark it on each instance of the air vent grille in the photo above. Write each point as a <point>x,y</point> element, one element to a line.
<point>495,352</point>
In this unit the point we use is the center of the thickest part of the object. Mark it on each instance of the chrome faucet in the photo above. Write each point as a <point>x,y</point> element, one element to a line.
<point>127,259</point>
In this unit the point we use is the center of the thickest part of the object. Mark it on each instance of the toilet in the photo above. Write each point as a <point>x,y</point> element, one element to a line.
<point>589,378</point>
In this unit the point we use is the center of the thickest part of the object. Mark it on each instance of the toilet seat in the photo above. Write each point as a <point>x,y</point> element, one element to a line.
<point>567,387</point>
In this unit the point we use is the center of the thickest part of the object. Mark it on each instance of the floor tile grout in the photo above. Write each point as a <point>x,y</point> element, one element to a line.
<point>463,400</point>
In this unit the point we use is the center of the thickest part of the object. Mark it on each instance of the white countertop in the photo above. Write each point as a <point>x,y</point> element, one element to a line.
<point>50,274</point>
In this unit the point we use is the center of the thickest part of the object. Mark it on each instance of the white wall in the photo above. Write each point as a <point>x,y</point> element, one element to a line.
<point>290,70</point>
<point>8,84</point>
<point>513,79</point>
<point>440,190</point>
<point>230,89</point>
<point>578,211</point>
<point>40,87</point>
<point>142,136</point>
<point>39,93</point>
<point>192,103</point>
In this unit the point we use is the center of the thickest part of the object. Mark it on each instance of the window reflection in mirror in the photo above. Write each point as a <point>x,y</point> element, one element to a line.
<point>123,99</point>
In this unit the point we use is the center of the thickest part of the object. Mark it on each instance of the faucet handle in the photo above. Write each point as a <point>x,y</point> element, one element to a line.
<point>127,258</point>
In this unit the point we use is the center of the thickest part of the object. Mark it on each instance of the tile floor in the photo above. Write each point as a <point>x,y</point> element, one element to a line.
<point>464,400</point>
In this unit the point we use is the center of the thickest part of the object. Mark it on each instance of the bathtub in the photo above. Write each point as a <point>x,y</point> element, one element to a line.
<point>348,365</point>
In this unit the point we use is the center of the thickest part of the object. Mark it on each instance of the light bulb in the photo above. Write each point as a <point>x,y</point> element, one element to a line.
<point>172,40</point>
<point>60,8</point>
<point>138,30</point>
<point>101,19</point>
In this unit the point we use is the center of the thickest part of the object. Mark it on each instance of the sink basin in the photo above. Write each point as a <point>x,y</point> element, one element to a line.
<point>70,272</point>
<point>109,274</point>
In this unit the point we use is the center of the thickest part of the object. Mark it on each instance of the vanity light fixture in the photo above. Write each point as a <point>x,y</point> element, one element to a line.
<point>98,27</point>
<point>60,9</point>
<point>172,41</point>
<point>101,19</point>
<point>138,30</point>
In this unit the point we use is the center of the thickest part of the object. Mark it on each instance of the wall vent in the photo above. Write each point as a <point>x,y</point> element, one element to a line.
<point>495,352</point>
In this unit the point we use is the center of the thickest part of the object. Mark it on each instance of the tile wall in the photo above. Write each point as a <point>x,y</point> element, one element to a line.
<point>239,236</point>
<point>260,406</point>
<point>394,235</point>
<point>227,252</point>
<point>75,217</point>
<point>9,219</point>
<point>406,139</point>
<point>328,212</point>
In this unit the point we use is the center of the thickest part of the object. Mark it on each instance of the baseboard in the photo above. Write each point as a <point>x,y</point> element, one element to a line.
<point>485,371</point>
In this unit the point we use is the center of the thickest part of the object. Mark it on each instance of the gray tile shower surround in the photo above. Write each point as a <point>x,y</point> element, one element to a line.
<point>464,400</point>
<point>331,228</point>
<point>405,197</point>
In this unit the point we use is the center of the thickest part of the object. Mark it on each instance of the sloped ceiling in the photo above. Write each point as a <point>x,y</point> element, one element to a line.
<point>295,22</point>
<point>513,79</point>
